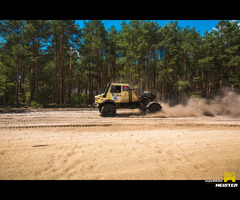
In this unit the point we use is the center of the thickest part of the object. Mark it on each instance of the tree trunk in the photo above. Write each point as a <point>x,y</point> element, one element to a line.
<point>17,78</point>
<point>70,79</point>
<point>61,68</point>
<point>154,70</point>
<point>56,89</point>
<point>33,78</point>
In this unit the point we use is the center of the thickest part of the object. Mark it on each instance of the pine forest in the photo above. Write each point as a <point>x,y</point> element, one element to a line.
<point>55,62</point>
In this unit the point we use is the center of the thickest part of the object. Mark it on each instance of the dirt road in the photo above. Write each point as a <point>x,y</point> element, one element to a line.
<point>80,144</point>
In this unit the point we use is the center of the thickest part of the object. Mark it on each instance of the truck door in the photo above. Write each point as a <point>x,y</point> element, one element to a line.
<point>125,93</point>
<point>116,93</point>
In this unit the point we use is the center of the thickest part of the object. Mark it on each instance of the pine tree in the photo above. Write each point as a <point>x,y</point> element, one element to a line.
<point>47,61</point>
<point>93,49</point>
<point>65,35</point>
<point>11,31</point>
<point>112,52</point>
<point>36,37</point>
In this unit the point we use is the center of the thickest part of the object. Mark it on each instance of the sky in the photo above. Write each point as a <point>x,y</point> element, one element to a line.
<point>200,25</point>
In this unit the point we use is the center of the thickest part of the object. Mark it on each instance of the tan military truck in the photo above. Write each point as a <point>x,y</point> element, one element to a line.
<point>120,95</point>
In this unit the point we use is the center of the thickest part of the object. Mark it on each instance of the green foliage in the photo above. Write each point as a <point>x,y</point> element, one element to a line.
<point>56,61</point>
<point>34,104</point>
<point>78,99</point>
<point>183,84</point>
<point>3,79</point>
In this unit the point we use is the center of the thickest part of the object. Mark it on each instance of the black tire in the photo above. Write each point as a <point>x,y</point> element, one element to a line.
<point>155,107</point>
<point>100,108</point>
<point>108,110</point>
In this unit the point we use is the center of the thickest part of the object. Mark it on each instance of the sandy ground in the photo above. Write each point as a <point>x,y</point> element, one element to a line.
<point>80,144</point>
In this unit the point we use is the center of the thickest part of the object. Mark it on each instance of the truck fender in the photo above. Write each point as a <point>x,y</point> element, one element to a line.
<point>108,101</point>
<point>153,102</point>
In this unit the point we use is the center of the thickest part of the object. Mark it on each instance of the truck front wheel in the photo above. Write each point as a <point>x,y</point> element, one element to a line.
<point>100,108</point>
<point>108,110</point>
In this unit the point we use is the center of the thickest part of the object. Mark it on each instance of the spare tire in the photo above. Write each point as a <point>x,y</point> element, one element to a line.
<point>108,110</point>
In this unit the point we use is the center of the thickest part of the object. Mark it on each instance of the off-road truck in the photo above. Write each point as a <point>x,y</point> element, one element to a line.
<point>120,95</point>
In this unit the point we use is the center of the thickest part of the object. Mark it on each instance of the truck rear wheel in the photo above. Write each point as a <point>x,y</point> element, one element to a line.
<point>155,107</point>
<point>108,110</point>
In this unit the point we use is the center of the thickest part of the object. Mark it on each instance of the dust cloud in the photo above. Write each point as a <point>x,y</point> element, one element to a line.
<point>227,104</point>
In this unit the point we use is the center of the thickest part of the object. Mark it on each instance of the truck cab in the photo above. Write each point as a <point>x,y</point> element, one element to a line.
<point>118,93</point>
